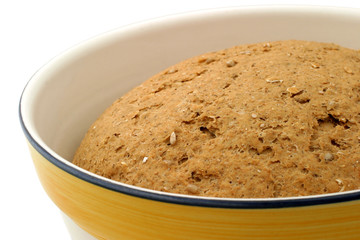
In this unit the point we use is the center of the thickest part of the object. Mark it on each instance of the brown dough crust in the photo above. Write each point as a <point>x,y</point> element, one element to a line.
<point>260,120</point>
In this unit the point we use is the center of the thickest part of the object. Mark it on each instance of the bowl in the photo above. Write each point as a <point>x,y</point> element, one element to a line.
<point>64,97</point>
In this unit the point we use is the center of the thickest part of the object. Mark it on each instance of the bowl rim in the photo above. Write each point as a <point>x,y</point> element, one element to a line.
<point>182,199</point>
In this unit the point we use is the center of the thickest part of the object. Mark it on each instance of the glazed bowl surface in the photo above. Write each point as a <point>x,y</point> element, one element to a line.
<point>64,97</point>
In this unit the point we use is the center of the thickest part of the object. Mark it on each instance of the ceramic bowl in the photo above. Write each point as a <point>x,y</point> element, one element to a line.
<point>65,96</point>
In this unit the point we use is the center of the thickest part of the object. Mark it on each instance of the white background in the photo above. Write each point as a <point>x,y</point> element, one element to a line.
<point>31,33</point>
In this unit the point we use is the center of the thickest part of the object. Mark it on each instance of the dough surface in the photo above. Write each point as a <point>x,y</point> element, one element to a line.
<point>273,119</point>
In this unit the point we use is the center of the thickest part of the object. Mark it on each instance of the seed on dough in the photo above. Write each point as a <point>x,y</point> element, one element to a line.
<point>231,63</point>
<point>192,188</point>
<point>331,102</point>
<point>328,156</point>
<point>293,90</point>
<point>209,60</point>
<point>274,80</point>
<point>348,70</point>
<point>343,120</point>
<point>202,59</point>
<point>315,65</point>
<point>171,71</point>
<point>266,47</point>
<point>172,138</point>
<point>341,184</point>
<point>245,52</point>
<point>168,162</point>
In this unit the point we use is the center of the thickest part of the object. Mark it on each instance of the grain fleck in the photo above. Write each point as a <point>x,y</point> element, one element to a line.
<point>343,120</point>
<point>231,63</point>
<point>266,47</point>
<point>341,184</point>
<point>209,60</point>
<point>315,65</point>
<point>167,162</point>
<point>202,59</point>
<point>328,156</point>
<point>245,52</point>
<point>274,80</point>
<point>348,70</point>
<point>191,188</point>
<point>293,90</point>
<point>172,138</point>
<point>171,71</point>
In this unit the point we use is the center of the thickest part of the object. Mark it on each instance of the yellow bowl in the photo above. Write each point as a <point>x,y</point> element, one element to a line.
<point>64,97</point>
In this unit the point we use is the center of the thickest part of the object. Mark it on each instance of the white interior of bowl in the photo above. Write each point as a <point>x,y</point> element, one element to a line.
<point>68,94</point>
